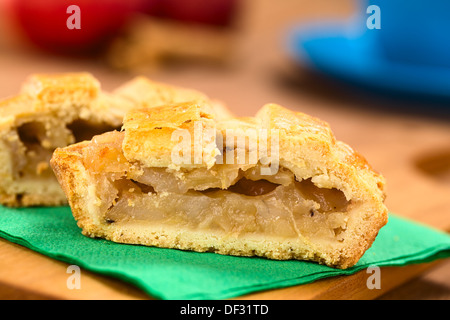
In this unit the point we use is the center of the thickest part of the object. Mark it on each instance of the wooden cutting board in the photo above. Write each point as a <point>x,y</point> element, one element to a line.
<point>408,142</point>
<point>25,274</point>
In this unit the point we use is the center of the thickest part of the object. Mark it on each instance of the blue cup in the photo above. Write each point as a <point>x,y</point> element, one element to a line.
<point>413,31</point>
<point>409,54</point>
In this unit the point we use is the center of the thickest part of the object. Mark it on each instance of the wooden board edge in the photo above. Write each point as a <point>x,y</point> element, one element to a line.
<point>25,274</point>
<point>351,287</point>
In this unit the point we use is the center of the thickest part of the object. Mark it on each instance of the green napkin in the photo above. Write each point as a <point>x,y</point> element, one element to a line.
<point>175,274</point>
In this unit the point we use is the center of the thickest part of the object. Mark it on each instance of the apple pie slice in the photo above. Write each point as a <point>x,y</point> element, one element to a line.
<point>277,185</point>
<point>57,110</point>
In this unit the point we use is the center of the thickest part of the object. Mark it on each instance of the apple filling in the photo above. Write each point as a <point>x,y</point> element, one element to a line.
<point>226,199</point>
<point>35,142</point>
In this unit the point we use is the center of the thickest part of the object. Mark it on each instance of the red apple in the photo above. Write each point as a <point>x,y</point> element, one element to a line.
<point>152,7</point>
<point>213,12</point>
<point>45,22</point>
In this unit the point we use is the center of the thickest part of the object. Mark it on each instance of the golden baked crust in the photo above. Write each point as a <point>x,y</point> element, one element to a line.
<point>149,134</point>
<point>55,110</point>
<point>324,203</point>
